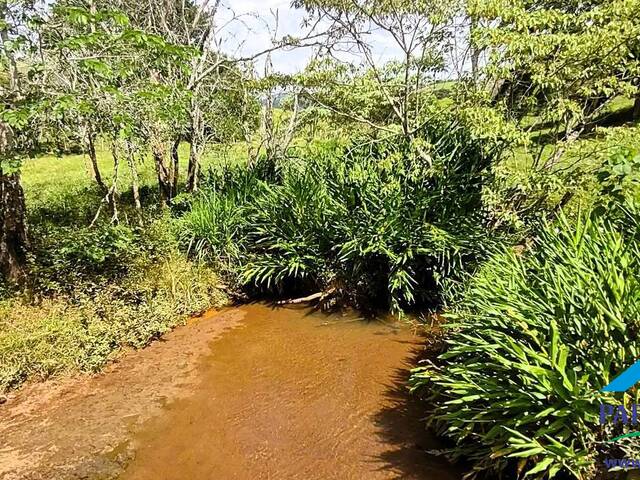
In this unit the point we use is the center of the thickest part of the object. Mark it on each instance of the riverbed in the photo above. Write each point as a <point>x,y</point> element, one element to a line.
<point>251,392</point>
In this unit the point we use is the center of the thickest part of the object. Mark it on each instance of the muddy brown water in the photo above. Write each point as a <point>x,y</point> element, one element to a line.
<point>282,394</point>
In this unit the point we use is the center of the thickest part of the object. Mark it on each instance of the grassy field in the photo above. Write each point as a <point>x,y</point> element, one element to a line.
<point>96,290</point>
<point>45,177</point>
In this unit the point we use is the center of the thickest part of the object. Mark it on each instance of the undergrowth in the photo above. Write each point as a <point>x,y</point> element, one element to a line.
<point>96,291</point>
<point>377,222</point>
<point>536,334</point>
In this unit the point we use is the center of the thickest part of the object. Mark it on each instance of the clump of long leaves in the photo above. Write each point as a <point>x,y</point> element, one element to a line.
<point>290,229</point>
<point>532,341</point>
<point>215,224</point>
<point>383,219</point>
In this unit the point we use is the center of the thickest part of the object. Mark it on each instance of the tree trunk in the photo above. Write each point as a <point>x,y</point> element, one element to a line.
<point>194,167</point>
<point>474,51</point>
<point>135,189</point>
<point>91,151</point>
<point>292,126</point>
<point>13,228</point>
<point>196,142</point>
<point>135,184</point>
<point>175,160</point>
<point>164,181</point>
<point>111,197</point>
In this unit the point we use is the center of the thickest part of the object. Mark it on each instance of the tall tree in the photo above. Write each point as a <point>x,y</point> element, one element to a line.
<point>215,81</point>
<point>564,61</point>
<point>13,230</point>
<point>421,33</point>
<point>124,83</point>
<point>192,25</point>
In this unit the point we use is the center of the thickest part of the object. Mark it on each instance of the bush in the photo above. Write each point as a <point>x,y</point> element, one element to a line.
<point>532,341</point>
<point>377,219</point>
<point>212,228</point>
<point>83,329</point>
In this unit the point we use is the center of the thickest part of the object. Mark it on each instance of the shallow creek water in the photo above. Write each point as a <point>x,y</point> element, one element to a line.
<point>245,393</point>
<point>292,393</point>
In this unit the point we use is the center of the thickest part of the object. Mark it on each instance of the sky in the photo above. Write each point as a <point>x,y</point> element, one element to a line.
<point>249,33</point>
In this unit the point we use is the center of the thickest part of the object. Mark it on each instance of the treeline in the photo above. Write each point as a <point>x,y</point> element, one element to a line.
<point>145,80</point>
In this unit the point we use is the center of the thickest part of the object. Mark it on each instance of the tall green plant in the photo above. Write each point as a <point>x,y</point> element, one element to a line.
<point>530,345</point>
<point>376,219</point>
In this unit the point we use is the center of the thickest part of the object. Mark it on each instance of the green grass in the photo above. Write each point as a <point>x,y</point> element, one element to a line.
<point>44,177</point>
<point>94,290</point>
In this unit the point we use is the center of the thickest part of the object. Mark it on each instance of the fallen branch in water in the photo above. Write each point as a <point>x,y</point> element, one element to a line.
<point>310,298</point>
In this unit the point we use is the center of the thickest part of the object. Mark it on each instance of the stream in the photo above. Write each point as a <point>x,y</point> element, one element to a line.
<point>285,393</point>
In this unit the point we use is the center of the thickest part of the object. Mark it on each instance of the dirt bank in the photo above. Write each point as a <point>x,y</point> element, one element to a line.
<point>79,427</point>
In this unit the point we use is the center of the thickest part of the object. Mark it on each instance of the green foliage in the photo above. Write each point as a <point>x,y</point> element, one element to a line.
<point>343,88</point>
<point>97,291</point>
<point>287,228</point>
<point>533,339</point>
<point>376,219</point>
<point>524,192</point>
<point>566,58</point>
<point>418,182</point>
<point>619,178</point>
<point>212,227</point>
<point>82,251</point>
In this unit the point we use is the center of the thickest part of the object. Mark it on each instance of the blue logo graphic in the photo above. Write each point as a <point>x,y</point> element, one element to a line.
<point>618,413</point>
<point>625,380</point>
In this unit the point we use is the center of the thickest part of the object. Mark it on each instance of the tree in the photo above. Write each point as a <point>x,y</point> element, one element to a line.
<point>125,84</point>
<point>220,102</point>
<point>13,230</point>
<point>193,26</point>
<point>564,61</point>
<point>421,33</point>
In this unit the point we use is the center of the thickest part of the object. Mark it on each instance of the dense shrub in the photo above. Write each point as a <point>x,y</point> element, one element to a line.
<point>214,225</point>
<point>86,251</point>
<point>382,218</point>
<point>532,341</point>
<point>82,328</point>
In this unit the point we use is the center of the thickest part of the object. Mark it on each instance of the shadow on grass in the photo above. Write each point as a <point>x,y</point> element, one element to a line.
<point>544,133</point>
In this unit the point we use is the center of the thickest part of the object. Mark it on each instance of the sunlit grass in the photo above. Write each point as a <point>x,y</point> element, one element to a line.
<point>46,177</point>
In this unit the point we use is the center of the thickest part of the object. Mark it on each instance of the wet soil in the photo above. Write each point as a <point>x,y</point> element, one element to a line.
<point>247,393</point>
